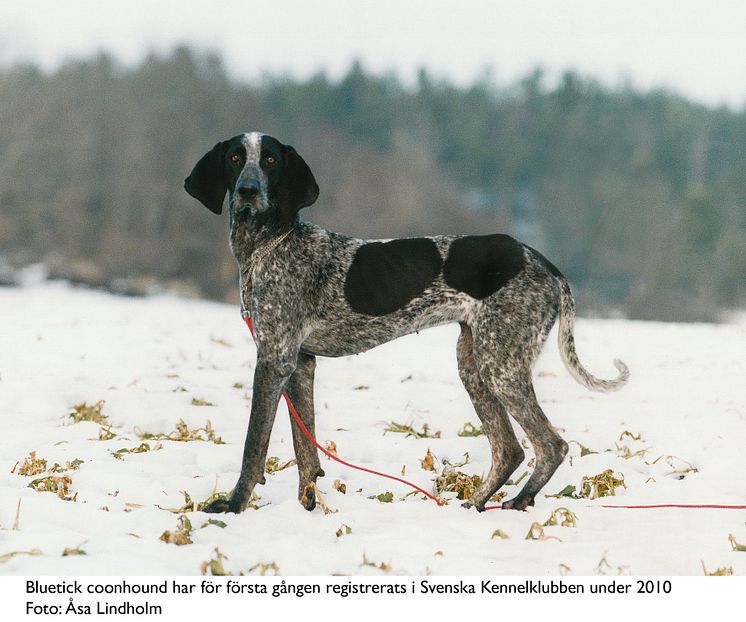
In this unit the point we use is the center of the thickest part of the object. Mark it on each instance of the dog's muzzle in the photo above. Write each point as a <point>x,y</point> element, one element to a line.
<point>248,190</point>
<point>248,195</point>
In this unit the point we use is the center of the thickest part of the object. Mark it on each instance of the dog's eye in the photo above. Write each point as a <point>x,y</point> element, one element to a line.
<point>235,158</point>
<point>271,160</point>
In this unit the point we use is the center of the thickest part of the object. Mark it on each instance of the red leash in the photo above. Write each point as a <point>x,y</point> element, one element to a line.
<point>688,506</point>
<point>310,437</point>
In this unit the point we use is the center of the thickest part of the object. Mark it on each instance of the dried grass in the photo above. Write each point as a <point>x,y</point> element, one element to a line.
<point>451,480</point>
<point>181,535</point>
<point>273,464</point>
<point>86,412</point>
<point>408,430</point>
<point>428,462</point>
<point>32,465</point>
<point>469,429</point>
<point>59,484</point>
<point>184,434</point>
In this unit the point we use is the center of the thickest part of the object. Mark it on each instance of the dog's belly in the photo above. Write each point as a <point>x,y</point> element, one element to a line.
<point>346,333</point>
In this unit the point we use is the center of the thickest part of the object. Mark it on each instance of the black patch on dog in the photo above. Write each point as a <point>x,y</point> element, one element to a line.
<point>385,276</point>
<point>479,265</point>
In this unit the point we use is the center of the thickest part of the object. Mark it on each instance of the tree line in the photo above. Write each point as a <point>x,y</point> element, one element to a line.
<point>640,198</point>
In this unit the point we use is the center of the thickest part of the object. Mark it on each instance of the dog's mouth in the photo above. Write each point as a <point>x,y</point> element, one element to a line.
<point>243,207</point>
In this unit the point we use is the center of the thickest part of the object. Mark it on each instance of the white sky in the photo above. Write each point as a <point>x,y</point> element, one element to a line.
<point>695,47</point>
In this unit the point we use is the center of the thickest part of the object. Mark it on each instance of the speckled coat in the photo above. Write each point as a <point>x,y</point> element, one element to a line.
<point>312,292</point>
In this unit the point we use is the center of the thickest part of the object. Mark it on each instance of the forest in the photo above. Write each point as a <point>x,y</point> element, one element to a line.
<point>638,197</point>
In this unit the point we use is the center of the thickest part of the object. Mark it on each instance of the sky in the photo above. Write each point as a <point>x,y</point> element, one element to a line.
<point>696,48</point>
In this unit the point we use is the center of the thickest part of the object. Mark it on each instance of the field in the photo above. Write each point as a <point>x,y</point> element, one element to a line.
<point>167,384</point>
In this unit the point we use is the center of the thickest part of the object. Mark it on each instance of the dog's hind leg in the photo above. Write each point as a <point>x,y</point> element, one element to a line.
<point>507,340</point>
<point>550,448</point>
<point>515,390</point>
<point>300,391</point>
<point>507,453</point>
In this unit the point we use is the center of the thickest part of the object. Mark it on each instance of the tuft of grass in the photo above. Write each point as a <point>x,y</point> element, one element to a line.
<point>627,454</point>
<point>680,468</point>
<point>214,566</point>
<point>198,401</point>
<point>562,517</point>
<point>519,480</point>
<point>86,412</point>
<point>536,532</point>
<point>381,566</point>
<point>340,486</point>
<point>457,465</point>
<point>77,550</point>
<point>400,428</point>
<point>470,429</point>
<point>344,530</point>
<point>105,433</point>
<point>498,533</point>
<point>197,506</point>
<point>59,484</point>
<point>264,569</point>
<point>451,480</point>
<point>604,565</point>
<point>181,535</point>
<point>273,464</point>
<point>601,485</point>
<point>593,487</point>
<point>140,449</point>
<point>384,497</point>
<point>17,520</point>
<point>568,492</point>
<point>734,544</point>
<point>428,462</point>
<point>719,572</point>
<point>32,465</point>
<point>72,465</point>
<point>331,447</point>
<point>630,436</point>
<point>8,556</point>
<point>184,434</point>
<point>584,451</point>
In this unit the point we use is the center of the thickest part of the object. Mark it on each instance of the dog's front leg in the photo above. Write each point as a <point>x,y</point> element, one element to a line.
<point>270,377</point>
<point>300,391</point>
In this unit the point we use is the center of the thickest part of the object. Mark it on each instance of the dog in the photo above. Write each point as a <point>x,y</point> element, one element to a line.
<point>312,292</point>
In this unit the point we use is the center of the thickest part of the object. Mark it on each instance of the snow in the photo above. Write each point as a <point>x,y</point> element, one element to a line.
<point>148,358</point>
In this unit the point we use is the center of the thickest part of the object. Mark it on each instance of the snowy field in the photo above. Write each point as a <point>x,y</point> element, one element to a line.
<point>675,434</point>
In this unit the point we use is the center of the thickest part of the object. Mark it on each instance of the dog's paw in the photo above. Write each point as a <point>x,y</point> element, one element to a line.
<point>308,497</point>
<point>479,507</point>
<point>521,502</point>
<point>222,506</point>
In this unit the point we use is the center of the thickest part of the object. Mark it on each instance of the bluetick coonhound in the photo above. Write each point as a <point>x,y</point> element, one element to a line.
<point>312,292</point>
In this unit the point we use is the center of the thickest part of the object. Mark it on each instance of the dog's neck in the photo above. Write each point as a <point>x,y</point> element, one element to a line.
<point>250,231</point>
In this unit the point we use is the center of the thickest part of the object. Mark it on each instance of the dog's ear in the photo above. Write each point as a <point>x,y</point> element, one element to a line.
<point>301,189</point>
<point>206,182</point>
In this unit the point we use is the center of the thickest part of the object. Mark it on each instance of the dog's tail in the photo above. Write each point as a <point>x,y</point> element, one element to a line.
<point>567,347</point>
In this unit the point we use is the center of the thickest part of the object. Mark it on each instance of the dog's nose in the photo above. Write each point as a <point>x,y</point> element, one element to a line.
<point>248,189</point>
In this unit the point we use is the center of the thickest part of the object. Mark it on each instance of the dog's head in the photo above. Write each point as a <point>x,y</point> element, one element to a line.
<point>258,172</point>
